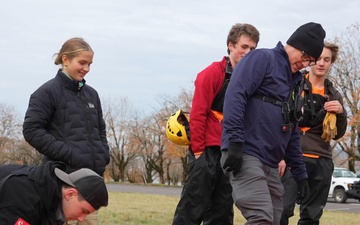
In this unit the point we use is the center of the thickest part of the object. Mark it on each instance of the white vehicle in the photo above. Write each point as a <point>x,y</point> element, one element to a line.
<point>340,180</point>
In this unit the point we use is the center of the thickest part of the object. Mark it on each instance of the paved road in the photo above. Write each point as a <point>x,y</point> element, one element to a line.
<point>351,205</point>
<point>132,188</point>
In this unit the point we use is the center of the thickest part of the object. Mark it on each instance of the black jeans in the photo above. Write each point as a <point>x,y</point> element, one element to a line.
<point>319,178</point>
<point>207,193</point>
<point>319,172</point>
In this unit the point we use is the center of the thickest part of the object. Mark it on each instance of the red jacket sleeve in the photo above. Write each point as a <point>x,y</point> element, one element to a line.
<point>205,129</point>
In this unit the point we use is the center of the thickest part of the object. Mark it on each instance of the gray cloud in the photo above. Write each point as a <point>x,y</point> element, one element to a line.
<point>143,49</point>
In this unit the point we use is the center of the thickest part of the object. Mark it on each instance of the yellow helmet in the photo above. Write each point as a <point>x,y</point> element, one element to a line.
<point>177,128</point>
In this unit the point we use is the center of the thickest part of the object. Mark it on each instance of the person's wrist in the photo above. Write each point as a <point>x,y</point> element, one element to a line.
<point>235,148</point>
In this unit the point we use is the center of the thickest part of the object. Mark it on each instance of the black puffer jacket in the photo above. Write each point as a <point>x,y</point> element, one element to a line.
<point>66,124</point>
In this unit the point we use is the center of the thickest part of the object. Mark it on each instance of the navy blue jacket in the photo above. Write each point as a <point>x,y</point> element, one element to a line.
<point>256,123</point>
<point>66,124</point>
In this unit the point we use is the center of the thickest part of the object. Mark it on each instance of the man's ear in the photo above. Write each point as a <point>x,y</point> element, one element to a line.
<point>230,46</point>
<point>70,192</point>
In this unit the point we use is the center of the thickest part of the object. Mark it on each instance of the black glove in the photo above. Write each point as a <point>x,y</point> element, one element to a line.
<point>235,154</point>
<point>303,191</point>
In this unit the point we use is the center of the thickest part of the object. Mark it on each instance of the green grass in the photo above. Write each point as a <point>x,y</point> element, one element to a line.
<point>150,209</point>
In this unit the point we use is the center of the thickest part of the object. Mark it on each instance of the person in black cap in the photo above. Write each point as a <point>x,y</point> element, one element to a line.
<point>259,127</point>
<point>47,195</point>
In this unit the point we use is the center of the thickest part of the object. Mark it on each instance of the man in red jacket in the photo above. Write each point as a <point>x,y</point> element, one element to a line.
<point>206,196</point>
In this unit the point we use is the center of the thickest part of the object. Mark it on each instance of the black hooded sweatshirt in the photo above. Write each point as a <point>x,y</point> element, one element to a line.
<point>32,195</point>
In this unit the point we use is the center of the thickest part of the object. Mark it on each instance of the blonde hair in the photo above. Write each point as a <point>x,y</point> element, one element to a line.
<point>71,49</point>
<point>334,50</point>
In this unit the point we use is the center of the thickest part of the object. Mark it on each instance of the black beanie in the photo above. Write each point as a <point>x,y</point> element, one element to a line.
<point>308,38</point>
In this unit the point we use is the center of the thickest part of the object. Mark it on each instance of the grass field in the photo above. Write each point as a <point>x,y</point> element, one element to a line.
<point>138,209</point>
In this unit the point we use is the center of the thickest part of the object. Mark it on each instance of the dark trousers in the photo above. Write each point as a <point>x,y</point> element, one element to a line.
<point>319,178</point>
<point>319,173</point>
<point>207,193</point>
<point>289,197</point>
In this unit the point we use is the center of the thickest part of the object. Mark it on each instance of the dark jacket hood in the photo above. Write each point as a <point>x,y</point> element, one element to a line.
<point>49,188</point>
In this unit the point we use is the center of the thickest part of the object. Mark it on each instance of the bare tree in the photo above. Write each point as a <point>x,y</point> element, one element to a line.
<point>10,133</point>
<point>135,172</point>
<point>24,153</point>
<point>142,143</point>
<point>9,123</point>
<point>117,115</point>
<point>176,163</point>
<point>345,75</point>
<point>149,141</point>
<point>177,154</point>
<point>157,129</point>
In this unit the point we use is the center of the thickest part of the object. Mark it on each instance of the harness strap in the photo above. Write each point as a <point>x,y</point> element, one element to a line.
<point>218,101</point>
<point>285,109</point>
<point>268,99</point>
<point>308,92</point>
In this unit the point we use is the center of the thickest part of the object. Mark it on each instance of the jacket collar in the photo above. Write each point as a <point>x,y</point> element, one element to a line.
<point>67,82</point>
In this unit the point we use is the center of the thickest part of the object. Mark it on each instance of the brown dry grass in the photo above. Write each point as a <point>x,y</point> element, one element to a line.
<point>138,209</point>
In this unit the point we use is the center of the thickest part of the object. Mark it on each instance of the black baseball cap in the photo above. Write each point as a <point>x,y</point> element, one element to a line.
<point>90,185</point>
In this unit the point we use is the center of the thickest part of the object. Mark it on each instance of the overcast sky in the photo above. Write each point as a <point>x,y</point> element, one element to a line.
<point>144,49</point>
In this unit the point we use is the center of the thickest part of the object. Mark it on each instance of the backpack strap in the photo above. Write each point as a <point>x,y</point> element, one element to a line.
<point>308,93</point>
<point>218,102</point>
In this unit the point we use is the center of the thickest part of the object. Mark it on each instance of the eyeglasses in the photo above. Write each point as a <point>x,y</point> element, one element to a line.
<point>306,58</point>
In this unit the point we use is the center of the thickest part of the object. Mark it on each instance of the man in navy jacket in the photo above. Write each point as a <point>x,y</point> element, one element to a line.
<point>258,129</point>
